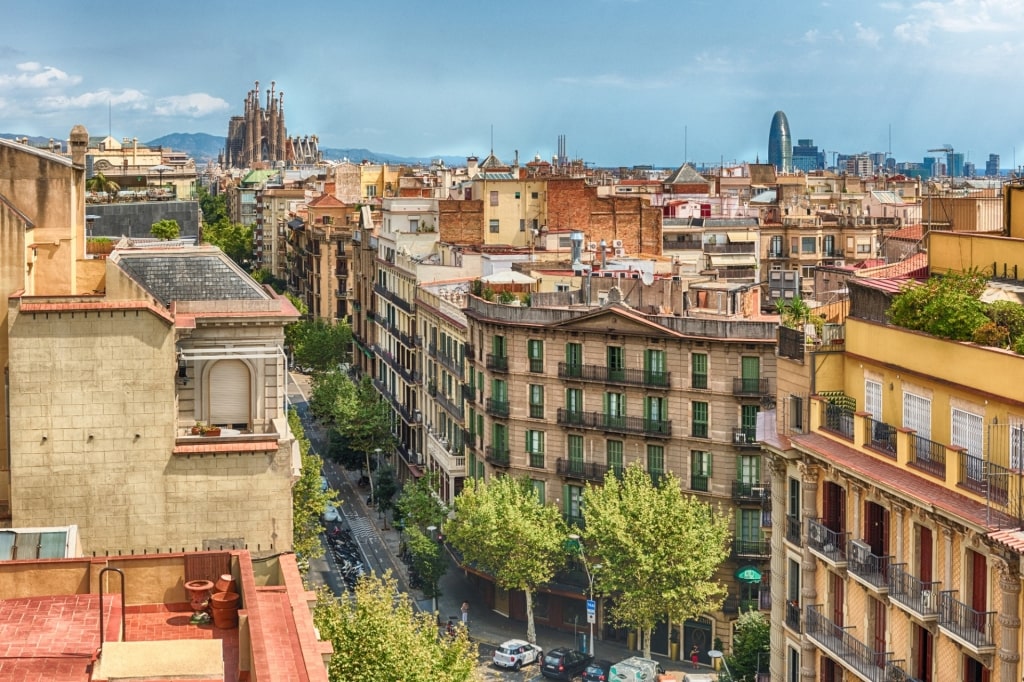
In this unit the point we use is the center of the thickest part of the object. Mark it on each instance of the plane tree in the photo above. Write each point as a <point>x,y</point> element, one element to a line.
<point>659,550</point>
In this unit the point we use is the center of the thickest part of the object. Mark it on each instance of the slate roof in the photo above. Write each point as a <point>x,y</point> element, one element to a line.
<point>189,276</point>
<point>686,175</point>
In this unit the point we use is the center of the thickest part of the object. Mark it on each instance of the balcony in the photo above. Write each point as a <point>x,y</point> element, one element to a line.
<point>853,654</point>
<point>497,363</point>
<point>582,471</point>
<point>394,298</point>
<point>451,459</point>
<point>743,491</point>
<point>880,437</point>
<point>410,376</point>
<point>497,408</point>
<point>793,615</point>
<point>449,404</point>
<point>469,392</point>
<point>614,423</point>
<point>668,243</point>
<point>751,549</point>
<point>755,388</point>
<point>741,247</point>
<point>839,420</point>
<point>453,366</point>
<point>604,375</point>
<point>927,456</point>
<point>777,253</point>
<point>827,544</point>
<point>497,456</point>
<point>973,629</point>
<point>699,482</point>
<point>745,437</point>
<point>919,598</point>
<point>793,530</point>
<point>867,568</point>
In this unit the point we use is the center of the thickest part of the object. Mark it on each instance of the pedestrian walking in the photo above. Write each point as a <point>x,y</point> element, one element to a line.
<point>694,655</point>
<point>465,613</point>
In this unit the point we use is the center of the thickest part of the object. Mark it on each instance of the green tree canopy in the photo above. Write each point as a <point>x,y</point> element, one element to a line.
<point>214,208</point>
<point>503,528</point>
<point>101,183</point>
<point>308,500</point>
<point>320,345</point>
<point>428,559</point>
<point>327,391</point>
<point>165,229</point>
<point>419,505</point>
<point>751,646</point>
<point>946,306</point>
<point>376,636</point>
<point>659,550</point>
<point>234,239</point>
<point>265,276</point>
<point>385,489</point>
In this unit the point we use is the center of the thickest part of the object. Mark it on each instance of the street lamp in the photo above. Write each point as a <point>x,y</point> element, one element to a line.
<point>714,655</point>
<point>433,588</point>
<point>590,580</point>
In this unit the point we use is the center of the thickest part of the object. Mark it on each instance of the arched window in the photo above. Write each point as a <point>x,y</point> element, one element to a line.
<point>229,402</point>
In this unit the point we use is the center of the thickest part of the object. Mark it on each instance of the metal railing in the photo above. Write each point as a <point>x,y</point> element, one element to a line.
<point>750,386</point>
<point>793,615</point>
<point>453,408</point>
<point>614,423</point>
<point>868,566</point>
<point>699,482</point>
<point>881,437</point>
<point>793,529</point>
<point>876,666</point>
<point>536,365</point>
<point>760,549</point>
<point>743,491</point>
<point>536,411</point>
<point>600,373</point>
<point>497,408</point>
<point>927,455</point>
<point>453,366</point>
<point>394,298</point>
<point>838,419</point>
<point>497,363</point>
<point>584,471</point>
<point>970,626</point>
<point>745,437</point>
<point>827,542</point>
<point>497,456</point>
<point>909,590</point>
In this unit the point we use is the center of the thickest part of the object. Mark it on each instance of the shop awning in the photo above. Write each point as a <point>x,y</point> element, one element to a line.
<point>748,574</point>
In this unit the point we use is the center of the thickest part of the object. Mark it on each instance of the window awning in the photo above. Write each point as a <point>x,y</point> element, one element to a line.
<point>748,574</point>
<point>231,352</point>
<point>719,260</point>
<point>744,236</point>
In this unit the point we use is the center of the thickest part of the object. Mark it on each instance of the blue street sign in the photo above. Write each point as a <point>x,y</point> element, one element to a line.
<point>591,606</point>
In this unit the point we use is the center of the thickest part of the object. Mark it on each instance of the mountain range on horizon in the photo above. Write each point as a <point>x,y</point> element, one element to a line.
<point>205,148</point>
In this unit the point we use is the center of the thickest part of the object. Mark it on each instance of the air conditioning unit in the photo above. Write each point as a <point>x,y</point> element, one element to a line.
<point>859,551</point>
<point>927,600</point>
<point>839,263</point>
<point>739,438</point>
<point>619,251</point>
<point>757,491</point>
<point>818,534</point>
<point>616,243</point>
<point>591,246</point>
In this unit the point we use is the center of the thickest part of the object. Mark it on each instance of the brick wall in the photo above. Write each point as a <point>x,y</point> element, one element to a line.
<point>572,205</point>
<point>461,222</point>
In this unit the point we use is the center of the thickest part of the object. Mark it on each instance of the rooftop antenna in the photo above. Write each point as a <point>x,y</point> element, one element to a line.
<point>685,139</point>
<point>492,139</point>
<point>110,118</point>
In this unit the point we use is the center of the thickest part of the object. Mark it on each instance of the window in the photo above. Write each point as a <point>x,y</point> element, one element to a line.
<point>830,245</point>
<point>863,247</point>
<point>796,413</point>
<point>538,487</point>
<point>517,195</point>
<point>699,370</point>
<point>573,359</point>
<point>561,287</point>
<point>535,448</point>
<point>371,191</point>
<point>494,198</point>
<point>808,244</point>
<point>967,431</point>
<point>699,425</point>
<point>654,368</point>
<point>499,390</point>
<point>499,438</point>
<point>917,414</point>
<point>614,410</point>
<point>873,399</point>
<point>748,422</point>
<point>613,449</point>
<point>1016,443</point>
<point>572,496</point>
<point>522,224</point>
<point>574,399</point>
<point>775,246</point>
<point>414,224</point>
<point>700,470</point>
<point>535,351</point>
<point>533,195</point>
<point>616,363</point>
<point>498,346</point>
<point>575,450</point>
<point>494,226</point>
<point>655,410</point>
<point>536,401</point>
<point>748,469</point>
<point>656,462</point>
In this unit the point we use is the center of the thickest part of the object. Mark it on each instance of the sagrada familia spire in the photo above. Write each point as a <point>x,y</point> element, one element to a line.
<point>259,137</point>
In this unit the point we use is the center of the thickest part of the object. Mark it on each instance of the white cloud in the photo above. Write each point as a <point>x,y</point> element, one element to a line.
<point>866,34</point>
<point>613,80</point>
<point>126,99</point>
<point>194,105</point>
<point>35,75</point>
<point>960,17</point>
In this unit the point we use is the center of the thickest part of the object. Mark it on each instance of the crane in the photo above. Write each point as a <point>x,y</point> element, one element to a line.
<point>946,149</point>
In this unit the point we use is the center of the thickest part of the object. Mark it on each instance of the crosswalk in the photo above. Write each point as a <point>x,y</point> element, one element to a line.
<point>361,528</point>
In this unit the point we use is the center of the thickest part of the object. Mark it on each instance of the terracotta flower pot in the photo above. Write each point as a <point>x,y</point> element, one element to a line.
<point>224,609</point>
<point>225,583</point>
<point>212,431</point>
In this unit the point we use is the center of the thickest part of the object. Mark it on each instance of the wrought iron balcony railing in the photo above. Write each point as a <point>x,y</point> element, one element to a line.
<point>497,408</point>
<point>583,471</point>
<point>918,597</point>
<point>793,530</point>
<point>606,375</point>
<point>969,627</point>
<point>872,665</point>
<point>497,456</point>
<point>744,491</point>
<point>750,387</point>
<point>751,549</point>
<point>497,363</point>
<point>868,567</point>
<point>615,423</point>
<point>827,543</point>
<point>881,437</point>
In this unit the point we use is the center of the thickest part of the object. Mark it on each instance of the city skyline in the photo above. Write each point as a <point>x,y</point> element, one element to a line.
<point>627,81</point>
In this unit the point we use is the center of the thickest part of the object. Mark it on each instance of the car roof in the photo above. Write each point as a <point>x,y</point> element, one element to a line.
<point>514,642</point>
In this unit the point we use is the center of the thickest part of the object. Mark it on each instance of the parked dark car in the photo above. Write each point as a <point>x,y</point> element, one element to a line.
<point>598,671</point>
<point>564,663</point>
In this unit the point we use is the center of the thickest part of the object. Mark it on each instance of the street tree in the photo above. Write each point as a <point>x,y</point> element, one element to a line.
<point>659,550</point>
<point>428,560</point>
<point>386,487</point>
<point>377,636</point>
<point>234,239</point>
<point>214,208</point>
<point>503,528</point>
<point>327,390</point>
<point>751,645</point>
<point>308,500</point>
<point>363,420</point>
<point>321,345</point>
<point>166,229</point>
<point>101,183</point>
<point>419,504</point>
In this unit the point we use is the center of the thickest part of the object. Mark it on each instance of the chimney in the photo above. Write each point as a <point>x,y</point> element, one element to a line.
<point>79,142</point>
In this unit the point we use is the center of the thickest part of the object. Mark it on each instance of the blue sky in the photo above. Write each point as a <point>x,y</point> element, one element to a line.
<point>627,81</point>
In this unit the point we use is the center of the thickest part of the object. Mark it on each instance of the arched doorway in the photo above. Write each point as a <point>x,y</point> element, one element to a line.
<point>229,394</point>
<point>698,632</point>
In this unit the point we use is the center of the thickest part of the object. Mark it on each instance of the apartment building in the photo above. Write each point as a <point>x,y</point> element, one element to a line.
<point>896,493</point>
<point>563,393</point>
<point>318,256</point>
<point>275,206</point>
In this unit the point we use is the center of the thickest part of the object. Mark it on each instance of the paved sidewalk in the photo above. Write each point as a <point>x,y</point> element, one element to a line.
<point>485,625</point>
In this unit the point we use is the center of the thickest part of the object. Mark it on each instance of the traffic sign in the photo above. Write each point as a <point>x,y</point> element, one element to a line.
<point>591,606</point>
<point>591,617</point>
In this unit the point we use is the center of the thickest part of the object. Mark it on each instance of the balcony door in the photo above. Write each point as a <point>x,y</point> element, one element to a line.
<point>834,507</point>
<point>978,578</point>
<point>924,554</point>
<point>876,528</point>
<point>229,396</point>
<point>924,650</point>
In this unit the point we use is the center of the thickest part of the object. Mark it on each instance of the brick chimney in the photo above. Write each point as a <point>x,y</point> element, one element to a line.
<point>79,142</point>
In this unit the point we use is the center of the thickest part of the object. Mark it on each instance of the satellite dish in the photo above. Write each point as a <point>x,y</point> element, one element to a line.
<point>647,278</point>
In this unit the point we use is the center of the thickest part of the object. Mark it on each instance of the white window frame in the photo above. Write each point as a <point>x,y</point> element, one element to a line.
<point>873,398</point>
<point>967,430</point>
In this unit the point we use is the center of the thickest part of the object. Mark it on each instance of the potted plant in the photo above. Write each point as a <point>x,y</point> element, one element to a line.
<point>198,428</point>
<point>204,429</point>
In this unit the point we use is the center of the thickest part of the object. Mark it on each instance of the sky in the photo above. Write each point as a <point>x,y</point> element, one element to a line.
<point>627,82</point>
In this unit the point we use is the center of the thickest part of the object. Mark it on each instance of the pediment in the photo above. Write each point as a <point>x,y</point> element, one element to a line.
<point>616,319</point>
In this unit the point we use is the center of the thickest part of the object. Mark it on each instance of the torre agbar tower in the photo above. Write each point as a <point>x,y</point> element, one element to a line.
<point>780,144</point>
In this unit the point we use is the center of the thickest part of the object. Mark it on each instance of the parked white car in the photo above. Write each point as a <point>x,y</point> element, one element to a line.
<point>515,653</point>
<point>331,513</point>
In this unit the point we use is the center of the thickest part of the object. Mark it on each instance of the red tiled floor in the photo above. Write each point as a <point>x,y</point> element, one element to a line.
<point>166,622</point>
